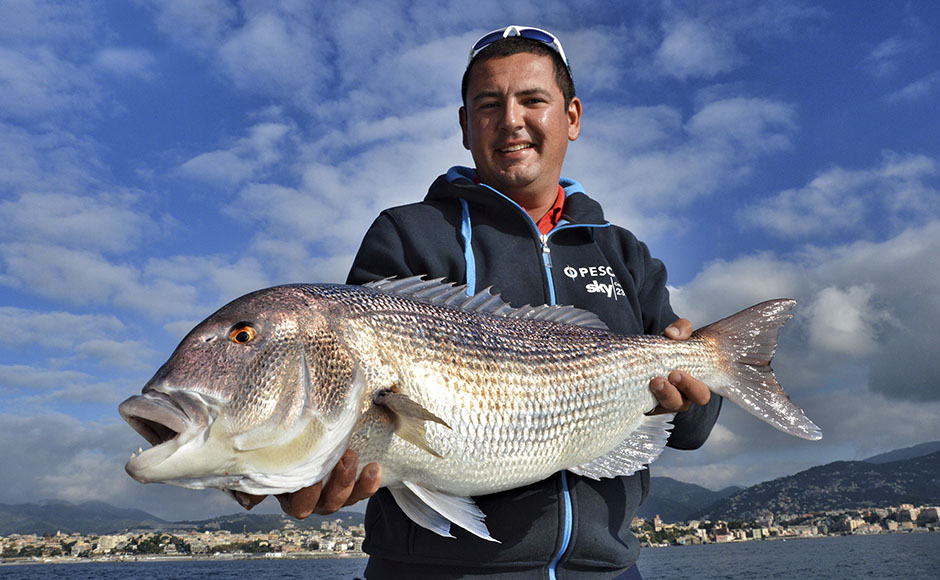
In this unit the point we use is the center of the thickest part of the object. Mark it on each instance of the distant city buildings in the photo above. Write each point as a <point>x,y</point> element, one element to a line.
<point>905,518</point>
<point>334,539</point>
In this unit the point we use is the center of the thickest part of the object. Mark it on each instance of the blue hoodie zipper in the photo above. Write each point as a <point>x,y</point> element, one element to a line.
<point>570,186</point>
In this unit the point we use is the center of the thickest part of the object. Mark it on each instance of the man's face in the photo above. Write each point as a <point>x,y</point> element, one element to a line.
<point>517,127</point>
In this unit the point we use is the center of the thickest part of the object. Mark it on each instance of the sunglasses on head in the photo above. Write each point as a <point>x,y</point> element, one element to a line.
<point>529,32</point>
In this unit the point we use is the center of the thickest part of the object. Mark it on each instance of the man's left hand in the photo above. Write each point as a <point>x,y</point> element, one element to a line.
<point>678,392</point>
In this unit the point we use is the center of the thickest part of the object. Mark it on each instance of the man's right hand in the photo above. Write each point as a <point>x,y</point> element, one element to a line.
<point>340,490</point>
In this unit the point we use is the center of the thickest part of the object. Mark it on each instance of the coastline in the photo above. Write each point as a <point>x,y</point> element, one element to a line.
<point>305,555</point>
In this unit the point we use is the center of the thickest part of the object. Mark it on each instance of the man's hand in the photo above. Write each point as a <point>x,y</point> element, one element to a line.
<point>340,490</point>
<point>680,390</point>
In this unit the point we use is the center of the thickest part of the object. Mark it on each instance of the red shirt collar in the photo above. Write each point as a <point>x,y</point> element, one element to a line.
<point>553,215</point>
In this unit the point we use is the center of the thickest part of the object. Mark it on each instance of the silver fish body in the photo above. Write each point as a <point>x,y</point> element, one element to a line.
<point>453,395</point>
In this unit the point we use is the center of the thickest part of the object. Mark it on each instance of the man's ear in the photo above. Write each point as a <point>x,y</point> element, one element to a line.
<point>574,119</point>
<point>462,113</point>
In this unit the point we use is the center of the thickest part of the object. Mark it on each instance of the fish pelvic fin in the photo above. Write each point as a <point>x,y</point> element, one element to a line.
<point>747,342</point>
<point>410,418</point>
<point>436,510</point>
<point>634,453</point>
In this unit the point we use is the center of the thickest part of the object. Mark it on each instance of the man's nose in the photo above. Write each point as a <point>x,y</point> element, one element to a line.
<point>513,117</point>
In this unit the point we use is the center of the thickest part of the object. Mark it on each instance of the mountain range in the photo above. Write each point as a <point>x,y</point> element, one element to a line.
<point>910,475</point>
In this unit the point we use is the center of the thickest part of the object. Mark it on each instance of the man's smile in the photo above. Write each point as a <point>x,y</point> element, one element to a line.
<point>516,147</point>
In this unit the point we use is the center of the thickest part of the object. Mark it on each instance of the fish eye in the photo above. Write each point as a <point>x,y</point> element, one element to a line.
<point>242,333</point>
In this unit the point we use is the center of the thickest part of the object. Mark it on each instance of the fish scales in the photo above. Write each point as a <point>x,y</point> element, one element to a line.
<point>505,382</point>
<point>454,395</point>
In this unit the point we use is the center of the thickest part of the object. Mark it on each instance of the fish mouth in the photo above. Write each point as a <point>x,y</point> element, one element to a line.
<point>166,420</point>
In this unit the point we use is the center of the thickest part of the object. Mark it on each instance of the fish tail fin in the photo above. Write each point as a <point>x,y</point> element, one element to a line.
<point>747,342</point>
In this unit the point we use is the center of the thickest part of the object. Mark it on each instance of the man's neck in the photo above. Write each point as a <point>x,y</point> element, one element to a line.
<point>536,205</point>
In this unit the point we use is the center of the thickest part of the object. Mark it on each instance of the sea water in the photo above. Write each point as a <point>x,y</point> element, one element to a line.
<point>903,556</point>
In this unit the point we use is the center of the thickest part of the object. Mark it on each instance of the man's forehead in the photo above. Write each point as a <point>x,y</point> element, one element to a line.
<point>519,73</point>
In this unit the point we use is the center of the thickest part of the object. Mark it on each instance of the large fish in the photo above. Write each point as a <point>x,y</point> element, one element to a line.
<point>454,395</point>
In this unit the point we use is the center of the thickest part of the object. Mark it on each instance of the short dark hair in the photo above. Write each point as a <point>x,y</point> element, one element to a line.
<point>515,45</point>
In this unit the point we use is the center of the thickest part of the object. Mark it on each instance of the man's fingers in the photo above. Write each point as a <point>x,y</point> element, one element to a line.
<point>339,486</point>
<point>369,482</point>
<point>679,330</point>
<point>300,504</point>
<point>677,393</point>
<point>691,388</point>
<point>669,397</point>
<point>247,500</point>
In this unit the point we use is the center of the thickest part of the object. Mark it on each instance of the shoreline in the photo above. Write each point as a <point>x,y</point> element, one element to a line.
<point>308,555</point>
<point>183,558</point>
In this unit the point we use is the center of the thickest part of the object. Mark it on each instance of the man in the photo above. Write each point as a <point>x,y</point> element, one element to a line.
<point>512,223</point>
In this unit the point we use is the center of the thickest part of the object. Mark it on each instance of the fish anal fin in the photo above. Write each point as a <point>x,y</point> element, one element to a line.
<point>409,417</point>
<point>634,453</point>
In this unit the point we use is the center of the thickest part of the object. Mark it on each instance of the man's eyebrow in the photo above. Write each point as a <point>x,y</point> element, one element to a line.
<point>493,94</point>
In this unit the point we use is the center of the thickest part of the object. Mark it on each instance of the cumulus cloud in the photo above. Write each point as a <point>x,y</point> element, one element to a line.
<point>647,163</point>
<point>904,189</point>
<point>107,223</point>
<point>884,59</point>
<point>265,145</point>
<point>126,62</point>
<point>858,354</point>
<point>693,49</point>
<point>922,88</point>
<point>845,321</point>
<point>26,329</point>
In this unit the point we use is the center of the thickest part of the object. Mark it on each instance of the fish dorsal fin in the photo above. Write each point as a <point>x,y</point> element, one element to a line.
<point>439,291</point>
<point>632,454</point>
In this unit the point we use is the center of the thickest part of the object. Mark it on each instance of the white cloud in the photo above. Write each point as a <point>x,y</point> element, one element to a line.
<point>901,191</point>
<point>922,88</point>
<point>884,59</point>
<point>661,164</point>
<point>693,49</point>
<point>857,357</point>
<point>130,354</point>
<point>108,223</point>
<point>28,22</point>
<point>199,25</point>
<point>126,62</point>
<point>266,144</point>
<point>35,83</point>
<point>845,321</point>
<point>42,379</point>
<point>52,329</point>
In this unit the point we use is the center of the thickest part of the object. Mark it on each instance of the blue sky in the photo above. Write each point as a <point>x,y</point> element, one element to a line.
<point>158,159</point>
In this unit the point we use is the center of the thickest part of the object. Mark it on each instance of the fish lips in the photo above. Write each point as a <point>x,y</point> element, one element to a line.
<point>166,420</point>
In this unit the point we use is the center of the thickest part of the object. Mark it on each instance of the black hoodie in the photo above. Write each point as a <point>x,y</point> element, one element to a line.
<point>565,526</point>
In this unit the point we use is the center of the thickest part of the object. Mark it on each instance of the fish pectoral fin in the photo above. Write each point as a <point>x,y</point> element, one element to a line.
<point>632,454</point>
<point>436,510</point>
<point>410,418</point>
